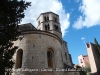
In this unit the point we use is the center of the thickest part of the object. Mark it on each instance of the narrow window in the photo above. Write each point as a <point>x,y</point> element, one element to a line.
<point>56,27</point>
<point>55,19</point>
<point>19,59</point>
<point>50,59</point>
<point>88,45</point>
<point>44,18</point>
<point>48,27</point>
<point>45,27</point>
<point>47,18</point>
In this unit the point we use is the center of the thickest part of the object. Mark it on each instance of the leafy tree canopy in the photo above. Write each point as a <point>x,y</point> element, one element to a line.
<point>11,14</point>
<point>97,45</point>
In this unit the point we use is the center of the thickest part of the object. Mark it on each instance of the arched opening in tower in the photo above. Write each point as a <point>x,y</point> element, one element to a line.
<point>19,59</point>
<point>47,27</point>
<point>47,18</point>
<point>56,27</point>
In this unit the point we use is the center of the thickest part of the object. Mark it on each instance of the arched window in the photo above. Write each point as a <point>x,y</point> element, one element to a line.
<point>19,59</point>
<point>55,19</point>
<point>47,18</point>
<point>44,18</point>
<point>56,27</point>
<point>47,27</point>
<point>50,58</point>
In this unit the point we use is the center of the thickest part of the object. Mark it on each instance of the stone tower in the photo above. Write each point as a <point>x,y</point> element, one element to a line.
<point>42,47</point>
<point>49,21</point>
<point>93,56</point>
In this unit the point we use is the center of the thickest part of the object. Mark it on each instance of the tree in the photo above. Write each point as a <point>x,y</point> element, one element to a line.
<point>82,70</point>
<point>97,45</point>
<point>98,50</point>
<point>88,69</point>
<point>11,14</point>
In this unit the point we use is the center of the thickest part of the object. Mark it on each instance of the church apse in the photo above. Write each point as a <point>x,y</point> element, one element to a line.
<point>43,47</point>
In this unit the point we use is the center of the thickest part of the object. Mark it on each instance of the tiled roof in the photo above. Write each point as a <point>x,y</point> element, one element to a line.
<point>26,27</point>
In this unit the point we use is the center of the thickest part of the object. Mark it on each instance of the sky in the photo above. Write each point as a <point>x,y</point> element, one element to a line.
<point>79,19</point>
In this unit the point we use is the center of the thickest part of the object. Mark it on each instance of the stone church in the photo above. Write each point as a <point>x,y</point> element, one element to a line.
<point>41,49</point>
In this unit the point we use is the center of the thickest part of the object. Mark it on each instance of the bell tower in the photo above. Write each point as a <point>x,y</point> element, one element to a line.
<point>49,22</point>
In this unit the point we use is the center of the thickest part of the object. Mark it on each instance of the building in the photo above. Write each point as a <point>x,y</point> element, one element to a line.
<point>42,48</point>
<point>93,56</point>
<point>83,61</point>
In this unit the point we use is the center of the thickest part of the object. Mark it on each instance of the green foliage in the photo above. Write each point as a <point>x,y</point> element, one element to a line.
<point>83,73</point>
<point>98,48</point>
<point>88,69</point>
<point>98,70</point>
<point>11,14</point>
<point>82,70</point>
<point>89,74</point>
<point>97,45</point>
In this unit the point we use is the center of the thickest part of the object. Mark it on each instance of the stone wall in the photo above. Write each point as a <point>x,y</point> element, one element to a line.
<point>35,47</point>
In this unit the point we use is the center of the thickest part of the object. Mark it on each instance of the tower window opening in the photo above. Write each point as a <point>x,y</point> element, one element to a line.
<point>47,27</point>
<point>88,45</point>
<point>45,18</point>
<point>55,19</point>
<point>56,27</point>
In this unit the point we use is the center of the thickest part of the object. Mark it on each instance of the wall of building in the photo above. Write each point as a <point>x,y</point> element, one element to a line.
<point>83,61</point>
<point>94,57</point>
<point>65,53</point>
<point>35,47</point>
<point>86,61</point>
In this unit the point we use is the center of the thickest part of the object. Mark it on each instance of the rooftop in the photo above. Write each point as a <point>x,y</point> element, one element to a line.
<point>26,27</point>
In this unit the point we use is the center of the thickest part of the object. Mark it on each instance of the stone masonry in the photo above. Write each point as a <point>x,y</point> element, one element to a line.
<point>42,47</point>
